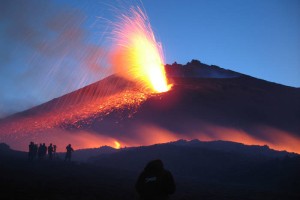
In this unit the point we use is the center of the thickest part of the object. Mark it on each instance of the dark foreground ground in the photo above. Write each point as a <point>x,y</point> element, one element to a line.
<point>43,180</point>
<point>60,180</point>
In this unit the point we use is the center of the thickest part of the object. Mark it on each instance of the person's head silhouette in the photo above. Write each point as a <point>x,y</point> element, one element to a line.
<point>155,182</point>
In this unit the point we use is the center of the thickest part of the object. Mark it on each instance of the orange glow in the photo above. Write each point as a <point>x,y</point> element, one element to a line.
<point>228,134</point>
<point>147,134</point>
<point>274,138</point>
<point>136,55</point>
<point>117,145</point>
<point>151,134</point>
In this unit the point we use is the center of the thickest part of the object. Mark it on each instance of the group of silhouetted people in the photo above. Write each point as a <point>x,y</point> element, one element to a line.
<point>40,151</point>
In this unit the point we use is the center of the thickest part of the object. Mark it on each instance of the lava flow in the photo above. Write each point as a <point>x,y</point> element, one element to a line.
<point>137,55</point>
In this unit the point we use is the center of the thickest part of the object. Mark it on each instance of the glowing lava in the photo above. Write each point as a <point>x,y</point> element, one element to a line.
<point>136,54</point>
<point>117,145</point>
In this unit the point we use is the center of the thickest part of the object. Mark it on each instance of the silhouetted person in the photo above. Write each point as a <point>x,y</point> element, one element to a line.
<point>35,150</point>
<point>40,152</point>
<point>44,150</point>
<point>69,152</point>
<point>54,151</point>
<point>50,151</point>
<point>155,182</point>
<point>31,151</point>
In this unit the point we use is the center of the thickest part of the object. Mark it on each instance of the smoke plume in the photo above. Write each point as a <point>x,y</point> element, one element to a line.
<point>46,50</point>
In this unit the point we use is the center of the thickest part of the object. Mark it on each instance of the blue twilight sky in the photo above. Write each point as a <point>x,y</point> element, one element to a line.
<point>48,48</point>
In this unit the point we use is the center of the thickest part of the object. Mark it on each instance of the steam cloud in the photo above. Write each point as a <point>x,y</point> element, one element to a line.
<point>45,51</point>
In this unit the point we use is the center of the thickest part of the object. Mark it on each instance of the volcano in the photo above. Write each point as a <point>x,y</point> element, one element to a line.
<point>206,102</point>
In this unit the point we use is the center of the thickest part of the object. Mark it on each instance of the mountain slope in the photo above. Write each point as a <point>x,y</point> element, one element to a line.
<point>236,108</point>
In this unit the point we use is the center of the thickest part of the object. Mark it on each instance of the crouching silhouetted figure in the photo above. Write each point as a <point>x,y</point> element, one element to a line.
<point>69,153</point>
<point>155,182</point>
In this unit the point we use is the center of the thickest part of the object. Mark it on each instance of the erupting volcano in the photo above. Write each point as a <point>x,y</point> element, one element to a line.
<point>88,101</point>
<point>136,58</point>
<point>136,105</point>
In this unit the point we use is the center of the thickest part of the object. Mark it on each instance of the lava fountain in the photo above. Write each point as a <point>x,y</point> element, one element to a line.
<point>136,55</point>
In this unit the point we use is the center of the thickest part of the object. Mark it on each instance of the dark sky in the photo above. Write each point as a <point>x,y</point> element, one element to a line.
<point>49,48</point>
